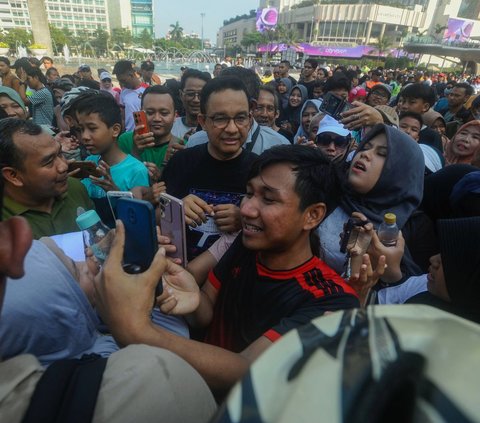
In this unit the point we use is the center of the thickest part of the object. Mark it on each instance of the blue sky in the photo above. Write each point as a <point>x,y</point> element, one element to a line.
<point>187,13</point>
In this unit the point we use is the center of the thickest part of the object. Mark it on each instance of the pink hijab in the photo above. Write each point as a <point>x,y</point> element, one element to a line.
<point>451,157</point>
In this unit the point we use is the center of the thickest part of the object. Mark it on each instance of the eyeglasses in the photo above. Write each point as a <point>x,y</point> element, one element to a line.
<point>221,122</point>
<point>338,141</point>
<point>192,94</point>
<point>261,109</point>
<point>379,93</point>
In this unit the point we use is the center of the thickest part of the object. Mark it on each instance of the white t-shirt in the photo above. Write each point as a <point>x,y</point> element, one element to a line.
<point>131,100</point>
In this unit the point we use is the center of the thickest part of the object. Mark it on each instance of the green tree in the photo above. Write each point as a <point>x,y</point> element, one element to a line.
<point>100,41</point>
<point>60,37</point>
<point>251,39</point>
<point>176,33</point>
<point>382,45</point>
<point>439,30</point>
<point>121,36</point>
<point>145,39</point>
<point>16,36</point>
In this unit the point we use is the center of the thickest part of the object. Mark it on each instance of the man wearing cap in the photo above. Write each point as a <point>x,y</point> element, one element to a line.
<point>132,90</point>
<point>379,95</point>
<point>148,76</point>
<point>106,85</point>
<point>84,72</point>
<point>8,78</point>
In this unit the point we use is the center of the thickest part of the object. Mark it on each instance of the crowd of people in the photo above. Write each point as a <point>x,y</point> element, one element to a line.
<point>269,174</point>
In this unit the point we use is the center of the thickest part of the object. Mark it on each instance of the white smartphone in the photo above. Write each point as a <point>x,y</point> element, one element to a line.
<point>113,196</point>
<point>172,224</point>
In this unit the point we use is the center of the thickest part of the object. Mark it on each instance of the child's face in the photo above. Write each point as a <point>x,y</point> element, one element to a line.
<point>436,284</point>
<point>411,104</point>
<point>317,92</point>
<point>410,126</point>
<point>97,137</point>
<point>295,98</point>
<point>281,88</point>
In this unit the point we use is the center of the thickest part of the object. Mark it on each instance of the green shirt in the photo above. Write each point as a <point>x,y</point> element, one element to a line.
<point>62,217</point>
<point>152,154</point>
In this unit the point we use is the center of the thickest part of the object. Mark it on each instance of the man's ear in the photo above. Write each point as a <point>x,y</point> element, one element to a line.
<point>11,175</point>
<point>201,118</point>
<point>314,215</point>
<point>426,107</point>
<point>116,129</point>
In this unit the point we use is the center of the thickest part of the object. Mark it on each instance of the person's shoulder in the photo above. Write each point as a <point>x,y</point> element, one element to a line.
<point>126,140</point>
<point>272,137</point>
<point>198,138</point>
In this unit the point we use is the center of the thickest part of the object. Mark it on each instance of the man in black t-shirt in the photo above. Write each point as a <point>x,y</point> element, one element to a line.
<point>211,178</point>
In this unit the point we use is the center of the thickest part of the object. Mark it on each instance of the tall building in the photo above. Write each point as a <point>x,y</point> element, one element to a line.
<point>76,15</point>
<point>136,15</point>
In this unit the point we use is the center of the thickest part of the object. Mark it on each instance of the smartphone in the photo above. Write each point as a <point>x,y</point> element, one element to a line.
<point>350,234</point>
<point>172,224</point>
<point>140,118</point>
<point>86,169</point>
<point>334,105</point>
<point>113,197</point>
<point>141,243</point>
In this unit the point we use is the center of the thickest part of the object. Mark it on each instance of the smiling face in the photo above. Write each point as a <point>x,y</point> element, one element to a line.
<point>410,126</point>
<point>410,104</point>
<point>367,165</point>
<point>43,174</point>
<point>160,112</point>
<point>466,141</point>
<point>190,95</point>
<point>295,98</point>
<point>227,121</point>
<point>265,112</point>
<point>271,215</point>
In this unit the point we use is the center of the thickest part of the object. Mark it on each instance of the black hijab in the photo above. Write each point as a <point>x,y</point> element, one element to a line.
<point>400,186</point>
<point>438,202</point>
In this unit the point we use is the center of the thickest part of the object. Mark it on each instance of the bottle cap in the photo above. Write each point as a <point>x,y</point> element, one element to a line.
<point>87,219</point>
<point>390,218</point>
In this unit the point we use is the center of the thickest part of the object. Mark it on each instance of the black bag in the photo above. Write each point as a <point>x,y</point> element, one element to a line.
<point>67,391</point>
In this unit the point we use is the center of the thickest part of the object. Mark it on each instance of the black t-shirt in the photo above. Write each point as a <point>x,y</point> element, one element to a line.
<point>432,138</point>
<point>254,300</point>
<point>195,171</point>
<point>309,86</point>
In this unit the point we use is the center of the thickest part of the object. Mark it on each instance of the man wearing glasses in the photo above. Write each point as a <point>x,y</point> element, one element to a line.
<point>191,86</point>
<point>379,95</point>
<point>211,177</point>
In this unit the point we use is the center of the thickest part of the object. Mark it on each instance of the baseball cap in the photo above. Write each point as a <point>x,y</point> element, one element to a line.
<point>105,75</point>
<point>70,96</point>
<point>84,68</point>
<point>385,87</point>
<point>389,114</point>
<point>329,124</point>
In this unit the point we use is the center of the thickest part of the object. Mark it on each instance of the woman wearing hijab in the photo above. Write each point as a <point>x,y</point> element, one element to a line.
<point>12,103</point>
<point>284,85</point>
<point>378,182</point>
<point>290,117</point>
<point>465,144</point>
<point>309,109</point>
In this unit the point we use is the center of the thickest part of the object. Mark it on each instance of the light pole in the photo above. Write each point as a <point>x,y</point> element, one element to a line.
<point>202,15</point>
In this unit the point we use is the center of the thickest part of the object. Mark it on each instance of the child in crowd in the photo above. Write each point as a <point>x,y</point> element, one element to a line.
<point>411,123</point>
<point>100,123</point>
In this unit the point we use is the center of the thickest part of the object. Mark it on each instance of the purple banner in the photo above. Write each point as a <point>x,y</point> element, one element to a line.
<point>458,30</point>
<point>325,51</point>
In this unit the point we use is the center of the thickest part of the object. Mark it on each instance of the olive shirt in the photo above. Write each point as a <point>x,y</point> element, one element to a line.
<point>62,217</point>
<point>152,154</point>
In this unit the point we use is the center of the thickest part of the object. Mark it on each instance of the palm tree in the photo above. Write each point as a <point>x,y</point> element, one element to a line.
<point>382,45</point>
<point>439,29</point>
<point>176,33</point>
<point>38,18</point>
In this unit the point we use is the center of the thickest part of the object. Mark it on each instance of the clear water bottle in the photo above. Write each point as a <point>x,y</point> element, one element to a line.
<point>388,230</point>
<point>96,235</point>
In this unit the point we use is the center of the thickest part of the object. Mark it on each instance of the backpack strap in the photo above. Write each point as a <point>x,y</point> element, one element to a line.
<point>249,146</point>
<point>67,391</point>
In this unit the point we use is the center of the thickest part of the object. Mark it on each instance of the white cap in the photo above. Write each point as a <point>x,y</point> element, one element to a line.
<point>329,124</point>
<point>105,75</point>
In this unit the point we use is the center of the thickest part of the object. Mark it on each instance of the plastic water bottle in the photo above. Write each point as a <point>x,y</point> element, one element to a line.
<point>96,235</point>
<point>388,230</point>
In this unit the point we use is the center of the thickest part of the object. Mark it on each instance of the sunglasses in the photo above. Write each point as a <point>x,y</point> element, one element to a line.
<point>338,141</point>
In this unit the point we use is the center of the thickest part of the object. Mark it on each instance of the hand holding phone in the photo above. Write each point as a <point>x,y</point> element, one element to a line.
<point>140,119</point>
<point>334,105</point>
<point>172,224</point>
<point>86,169</point>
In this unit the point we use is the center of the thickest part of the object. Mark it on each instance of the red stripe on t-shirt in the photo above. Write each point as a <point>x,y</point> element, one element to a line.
<point>286,274</point>
<point>214,280</point>
<point>272,335</point>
